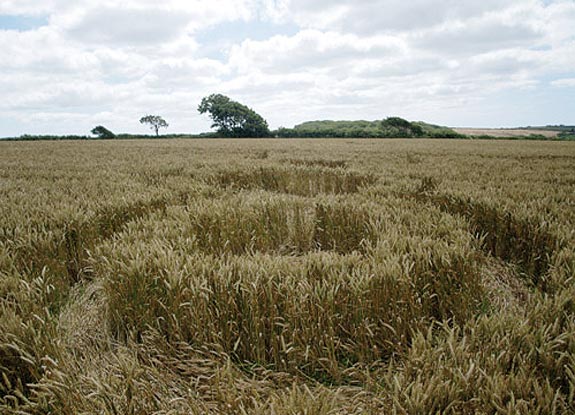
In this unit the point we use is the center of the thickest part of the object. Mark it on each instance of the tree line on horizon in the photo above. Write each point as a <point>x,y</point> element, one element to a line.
<point>231,119</point>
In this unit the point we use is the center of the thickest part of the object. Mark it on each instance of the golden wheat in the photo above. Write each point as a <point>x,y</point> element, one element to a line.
<point>296,276</point>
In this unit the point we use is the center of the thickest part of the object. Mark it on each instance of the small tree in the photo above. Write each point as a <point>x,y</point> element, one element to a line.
<point>156,122</point>
<point>103,132</point>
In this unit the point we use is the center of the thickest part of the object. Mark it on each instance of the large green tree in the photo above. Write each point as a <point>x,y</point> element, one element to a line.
<point>233,119</point>
<point>103,132</point>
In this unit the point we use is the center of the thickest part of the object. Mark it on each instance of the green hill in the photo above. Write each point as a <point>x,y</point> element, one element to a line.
<point>392,127</point>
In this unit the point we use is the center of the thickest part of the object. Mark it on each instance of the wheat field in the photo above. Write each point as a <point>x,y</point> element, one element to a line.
<point>287,277</point>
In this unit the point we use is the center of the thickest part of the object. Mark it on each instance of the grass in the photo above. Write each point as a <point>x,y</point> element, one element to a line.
<point>266,276</point>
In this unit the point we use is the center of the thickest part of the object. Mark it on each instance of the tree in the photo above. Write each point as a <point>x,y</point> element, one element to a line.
<point>103,132</point>
<point>398,127</point>
<point>156,122</point>
<point>233,119</point>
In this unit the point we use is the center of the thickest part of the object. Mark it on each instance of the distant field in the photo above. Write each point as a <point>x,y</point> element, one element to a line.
<point>287,276</point>
<point>502,132</point>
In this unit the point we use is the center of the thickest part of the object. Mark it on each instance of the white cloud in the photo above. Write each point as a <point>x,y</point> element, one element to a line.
<point>476,36</point>
<point>120,27</point>
<point>566,82</point>
<point>106,61</point>
<point>311,50</point>
<point>372,16</point>
<point>29,7</point>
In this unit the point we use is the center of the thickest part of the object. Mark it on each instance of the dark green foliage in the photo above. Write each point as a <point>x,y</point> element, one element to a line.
<point>531,137</point>
<point>103,132</point>
<point>404,127</point>
<point>567,134</point>
<point>156,122</point>
<point>392,127</point>
<point>561,128</point>
<point>29,137</point>
<point>233,119</point>
<point>331,129</point>
<point>437,131</point>
<point>398,127</point>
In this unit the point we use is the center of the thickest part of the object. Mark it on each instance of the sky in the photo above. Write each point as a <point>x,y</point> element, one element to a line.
<point>69,65</point>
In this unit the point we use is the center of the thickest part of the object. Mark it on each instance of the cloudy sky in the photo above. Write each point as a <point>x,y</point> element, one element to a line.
<point>68,65</point>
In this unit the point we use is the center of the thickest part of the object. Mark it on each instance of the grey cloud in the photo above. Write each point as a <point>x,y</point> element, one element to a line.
<point>502,64</point>
<point>256,90</point>
<point>405,66</point>
<point>477,37</point>
<point>377,16</point>
<point>129,27</point>
<point>341,59</point>
<point>175,75</point>
<point>77,95</point>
